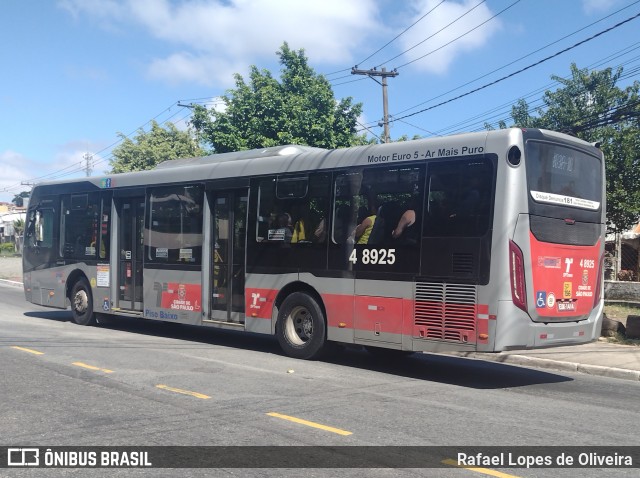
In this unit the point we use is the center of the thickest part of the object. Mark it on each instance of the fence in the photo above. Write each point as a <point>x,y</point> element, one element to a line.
<point>622,262</point>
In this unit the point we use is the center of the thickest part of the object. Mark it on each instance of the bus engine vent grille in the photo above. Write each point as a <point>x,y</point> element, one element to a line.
<point>446,311</point>
<point>462,264</point>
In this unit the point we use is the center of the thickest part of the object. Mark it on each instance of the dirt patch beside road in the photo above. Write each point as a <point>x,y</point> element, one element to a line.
<point>11,268</point>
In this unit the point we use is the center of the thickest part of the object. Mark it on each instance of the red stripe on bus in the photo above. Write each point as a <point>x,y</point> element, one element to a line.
<point>390,315</point>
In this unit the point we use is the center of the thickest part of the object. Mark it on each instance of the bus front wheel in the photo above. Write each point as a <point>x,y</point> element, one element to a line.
<point>82,303</point>
<point>301,327</point>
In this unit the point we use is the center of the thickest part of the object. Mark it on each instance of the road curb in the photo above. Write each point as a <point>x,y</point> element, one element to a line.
<point>559,365</point>
<point>11,283</point>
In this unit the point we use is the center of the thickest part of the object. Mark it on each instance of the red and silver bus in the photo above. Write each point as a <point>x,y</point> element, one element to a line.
<point>480,242</point>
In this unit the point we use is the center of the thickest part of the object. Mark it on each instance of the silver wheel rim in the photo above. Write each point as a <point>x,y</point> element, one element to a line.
<point>81,301</point>
<point>298,326</point>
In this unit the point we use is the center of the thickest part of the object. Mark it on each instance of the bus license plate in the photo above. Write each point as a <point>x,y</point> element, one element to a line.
<point>566,306</point>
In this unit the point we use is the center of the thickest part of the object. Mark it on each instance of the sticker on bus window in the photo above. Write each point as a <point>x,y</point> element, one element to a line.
<point>276,234</point>
<point>561,200</point>
<point>162,253</point>
<point>186,254</point>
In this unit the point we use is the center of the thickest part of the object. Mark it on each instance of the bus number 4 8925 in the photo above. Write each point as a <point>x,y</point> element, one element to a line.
<point>374,256</point>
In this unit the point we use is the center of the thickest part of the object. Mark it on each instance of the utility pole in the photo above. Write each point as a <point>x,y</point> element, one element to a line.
<point>385,107</point>
<point>87,157</point>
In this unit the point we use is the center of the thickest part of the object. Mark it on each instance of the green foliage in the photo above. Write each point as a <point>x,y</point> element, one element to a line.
<point>591,106</point>
<point>404,137</point>
<point>18,226</point>
<point>7,247</point>
<point>18,199</point>
<point>298,109</point>
<point>148,149</point>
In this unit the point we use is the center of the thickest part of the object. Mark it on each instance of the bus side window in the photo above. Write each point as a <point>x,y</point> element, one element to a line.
<point>388,197</point>
<point>459,199</point>
<point>176,218</point>
<point>80,214</point>
<point>105,227</point>
<point>292,210</point>
<point>40,233</point>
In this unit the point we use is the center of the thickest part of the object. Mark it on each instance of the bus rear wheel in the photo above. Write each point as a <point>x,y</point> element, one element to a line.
<point>82,303</point>
<point>301,327</point>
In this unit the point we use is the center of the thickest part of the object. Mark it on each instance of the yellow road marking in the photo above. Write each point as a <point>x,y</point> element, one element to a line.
<point>184,392</point>
<point>485,471</point>
<point>91,367</point>
<point>310,424</point>
<point>31,351</point>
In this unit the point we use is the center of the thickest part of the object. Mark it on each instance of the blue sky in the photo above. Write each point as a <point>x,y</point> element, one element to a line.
<point>77,72</point>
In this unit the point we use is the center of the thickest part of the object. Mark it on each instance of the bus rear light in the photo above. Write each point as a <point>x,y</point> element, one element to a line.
<point>516,274</point>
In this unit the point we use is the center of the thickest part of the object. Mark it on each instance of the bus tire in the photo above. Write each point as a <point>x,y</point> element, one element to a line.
<point>82,303</point>
<point>301,327</point>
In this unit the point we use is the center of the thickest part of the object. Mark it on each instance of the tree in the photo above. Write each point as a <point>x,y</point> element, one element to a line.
<point>298,109</point>
<point>148,149</point>
<point>18,230</point>
<point>18,199</point>
<point>591,106</point>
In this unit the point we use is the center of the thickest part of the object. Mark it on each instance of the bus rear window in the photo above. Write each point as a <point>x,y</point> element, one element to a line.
<point>563,176</point>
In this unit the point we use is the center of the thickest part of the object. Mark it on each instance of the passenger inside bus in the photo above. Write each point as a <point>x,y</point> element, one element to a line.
<point>281,229</point>
<point>386,218</point>
<point>406,231</point>
<point>299,230</point>
<point>363,230</point>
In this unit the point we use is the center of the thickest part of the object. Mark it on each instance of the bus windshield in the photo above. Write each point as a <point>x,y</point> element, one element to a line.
<point>563,176</point>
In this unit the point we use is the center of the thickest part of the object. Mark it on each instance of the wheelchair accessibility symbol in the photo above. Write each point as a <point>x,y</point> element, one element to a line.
<point>541,299</point>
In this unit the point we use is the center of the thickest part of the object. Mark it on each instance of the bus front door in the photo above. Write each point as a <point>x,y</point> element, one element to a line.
<point>130,247</point>
<point>229,211</point>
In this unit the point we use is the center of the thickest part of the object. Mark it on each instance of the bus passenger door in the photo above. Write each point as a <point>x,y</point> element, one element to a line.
<point>130,247</point>
<point>229,210</point>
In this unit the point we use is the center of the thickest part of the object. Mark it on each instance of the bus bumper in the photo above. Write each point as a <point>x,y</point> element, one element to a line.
<point>523,333</point>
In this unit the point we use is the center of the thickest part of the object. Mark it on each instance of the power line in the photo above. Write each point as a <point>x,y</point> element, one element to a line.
<point>402,33</point>
<point>504,109</point>
<point>434,34</point>
<point>80,166</point>
<point>475,90</point>
<point>538,102</point>
<point>458,38</point>
<point>519,59</point>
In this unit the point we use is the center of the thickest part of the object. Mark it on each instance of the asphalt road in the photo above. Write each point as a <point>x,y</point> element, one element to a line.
<point>141,383</point>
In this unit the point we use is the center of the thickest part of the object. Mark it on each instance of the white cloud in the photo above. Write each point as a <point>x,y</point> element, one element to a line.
<point>438,19</point>
<point>597,6</point>
<point>200,69</point>
<point>68,162</point>
<point>216,38</point>
<point>14,169</point>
